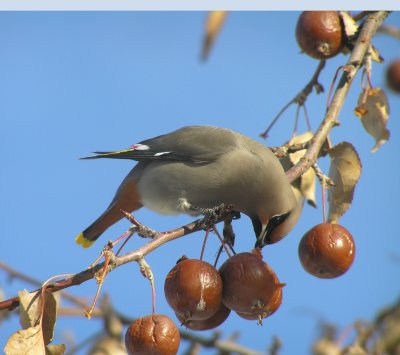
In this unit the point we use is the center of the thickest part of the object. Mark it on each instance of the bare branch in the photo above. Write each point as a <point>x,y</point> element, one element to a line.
<point>390,30</point>
<point>135,255</point>
<point>17,274</point>
<point>301,97</point>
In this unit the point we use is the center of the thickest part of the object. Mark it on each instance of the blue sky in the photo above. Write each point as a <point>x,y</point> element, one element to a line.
<point>73,83</point>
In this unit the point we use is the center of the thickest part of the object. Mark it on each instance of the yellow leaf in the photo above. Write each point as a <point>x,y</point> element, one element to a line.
<point>345,170</point>
<point>56,349</point>
<point>30,308</point>
<point>305,183</point>
<point>32,312</point>
<point>373,111</point>
<point>27,341</point>
<point>214,23</point>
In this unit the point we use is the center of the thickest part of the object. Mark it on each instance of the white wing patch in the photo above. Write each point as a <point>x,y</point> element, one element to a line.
<point>161,153</point>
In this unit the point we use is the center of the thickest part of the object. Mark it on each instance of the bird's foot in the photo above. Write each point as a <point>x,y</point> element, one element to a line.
<point>211,215</point>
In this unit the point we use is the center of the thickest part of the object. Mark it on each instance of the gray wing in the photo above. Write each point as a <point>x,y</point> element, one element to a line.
<point>192,144</point>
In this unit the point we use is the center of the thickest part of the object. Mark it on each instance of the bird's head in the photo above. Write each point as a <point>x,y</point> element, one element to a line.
<point>270,230</point>
<point>274,229</point>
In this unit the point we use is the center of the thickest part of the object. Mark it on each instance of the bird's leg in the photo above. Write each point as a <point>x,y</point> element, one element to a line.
<point>228,233</point>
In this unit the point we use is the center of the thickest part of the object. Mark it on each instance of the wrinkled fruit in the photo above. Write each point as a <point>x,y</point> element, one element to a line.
<point>327,250</point>
<point>193,288</point>
<point>210,323</point>
<point>155,334</point>
<point>393,76</point>
<point>273,305</point>
<point>251,287</point>
<point>320,33</point>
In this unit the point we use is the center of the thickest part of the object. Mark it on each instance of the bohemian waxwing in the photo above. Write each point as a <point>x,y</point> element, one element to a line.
<point>203,167</point>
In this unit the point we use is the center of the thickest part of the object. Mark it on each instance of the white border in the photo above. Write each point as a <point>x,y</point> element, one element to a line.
<point>120,5</point>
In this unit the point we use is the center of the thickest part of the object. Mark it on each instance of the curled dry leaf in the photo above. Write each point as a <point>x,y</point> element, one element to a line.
<point>305,183</point>
<point>31,312</point>
<point>351,29</point>
<point>373,111</point>
<point>214,23</point>
<point>26,341</point>
<point>38,326</point>
<point>108,345</point>
<point>326,346</point>
<point>57,349</point>
<point>345,170</point>
<point>350,26</point>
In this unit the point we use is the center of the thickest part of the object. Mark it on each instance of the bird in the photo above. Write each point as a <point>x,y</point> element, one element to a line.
<point>201,167</point>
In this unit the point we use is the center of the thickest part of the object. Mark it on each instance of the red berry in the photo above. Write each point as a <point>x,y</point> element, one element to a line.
<point>273,305</point>
<point>327,250</point>
<point>393,76</point>
<point>210,323</point>
<point>320,33</point>
<point>155,334</point>
<point>193,288</point>
<point>250,285</point>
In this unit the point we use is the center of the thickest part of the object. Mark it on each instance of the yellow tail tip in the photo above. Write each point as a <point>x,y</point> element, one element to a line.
<point>81,240</point>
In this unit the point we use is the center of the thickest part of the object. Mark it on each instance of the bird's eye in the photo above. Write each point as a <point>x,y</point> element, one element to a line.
<point>277,220</point>
<point>274,222</point>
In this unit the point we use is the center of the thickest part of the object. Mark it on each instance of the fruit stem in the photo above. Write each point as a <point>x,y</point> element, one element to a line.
<point>204,243</point>
<point>222,241</point>
<point>324,201</point>
<point>324,181</point>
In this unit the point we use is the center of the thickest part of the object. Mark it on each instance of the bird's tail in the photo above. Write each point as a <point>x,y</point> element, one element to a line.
<point>98,227</point>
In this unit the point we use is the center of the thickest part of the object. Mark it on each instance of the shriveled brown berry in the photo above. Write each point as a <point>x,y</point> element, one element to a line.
<point>393,76</point>
<point>249,284</point>
<point>152,335</point>
<point>269,309</point>
<point>327,250</point>
<point>193,288</point>
<point>210,323</point>
<point>320,34</point>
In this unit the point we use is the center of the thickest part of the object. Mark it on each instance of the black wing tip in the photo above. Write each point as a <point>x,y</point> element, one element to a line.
<point>97,156</point>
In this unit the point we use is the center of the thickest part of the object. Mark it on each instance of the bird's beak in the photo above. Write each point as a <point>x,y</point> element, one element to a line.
<point>262,237</point>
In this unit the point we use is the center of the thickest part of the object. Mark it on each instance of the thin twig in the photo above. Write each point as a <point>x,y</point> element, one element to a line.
<point>287,149</point>
<point>390,30</point>
<point>301,97</point>
<point>160,239</point>
<point>19,275</point>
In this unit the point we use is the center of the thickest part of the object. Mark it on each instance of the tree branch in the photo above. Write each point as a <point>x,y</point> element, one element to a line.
<point>390,30</point>
<point>135,255</point>
<point>371,25</point>
<point>301,97</point>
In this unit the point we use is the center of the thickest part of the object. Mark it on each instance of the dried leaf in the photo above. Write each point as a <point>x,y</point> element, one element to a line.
<point>375,54</point>
<point>214,23</point>
<point>300,199</point>
<point>350,26</point>
<point>373,110</point>
<point>27,341</point>
<point>56,349</point>
<point>108,345</point>
<point>354,349</point>
<point>306,182</point>
<point>49,318</point>
<point>31,309</point>
<point>345,170</point>
<point>326,347</point>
